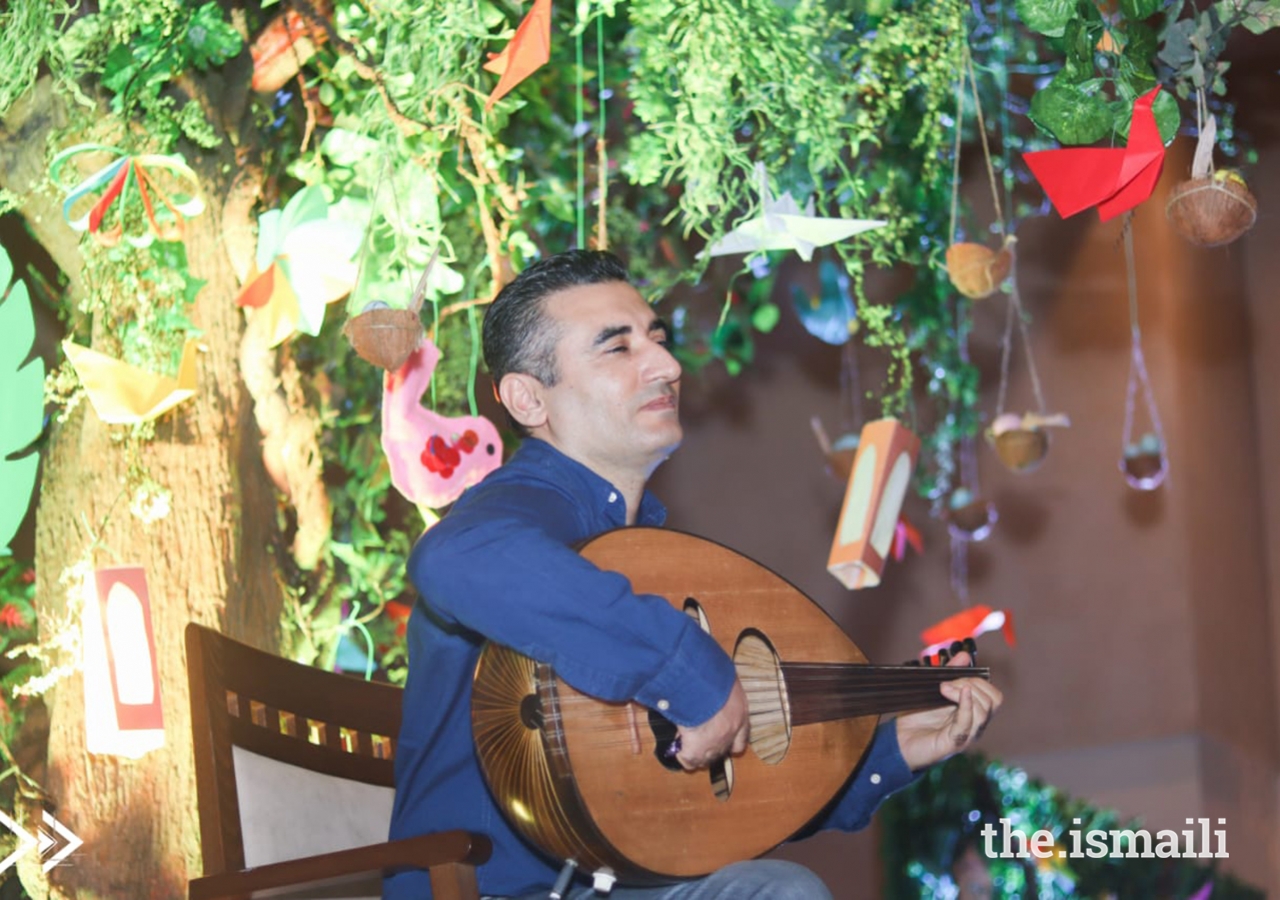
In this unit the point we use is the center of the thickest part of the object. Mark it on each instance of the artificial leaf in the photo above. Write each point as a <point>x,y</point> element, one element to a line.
<point>1137,10</point>
<point>1114,179</point>
<point>1047,17</point>
<point>1073,113</point>
<point>21,398</point>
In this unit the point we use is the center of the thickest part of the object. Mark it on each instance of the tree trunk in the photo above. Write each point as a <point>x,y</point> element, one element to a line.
<point>209,560</point>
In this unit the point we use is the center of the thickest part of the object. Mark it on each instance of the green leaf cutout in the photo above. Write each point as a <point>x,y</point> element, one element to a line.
<point>21,398</point>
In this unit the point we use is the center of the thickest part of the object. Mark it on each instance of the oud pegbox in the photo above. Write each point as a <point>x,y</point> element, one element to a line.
<point>878,481</point>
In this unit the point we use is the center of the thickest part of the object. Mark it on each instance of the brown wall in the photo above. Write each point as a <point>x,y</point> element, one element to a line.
<point>1145,676</point>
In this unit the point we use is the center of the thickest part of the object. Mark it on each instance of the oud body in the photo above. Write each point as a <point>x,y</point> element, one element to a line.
<point>592,781</point>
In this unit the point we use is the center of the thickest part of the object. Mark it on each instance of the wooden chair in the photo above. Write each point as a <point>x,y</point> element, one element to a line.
<point>294,782</point>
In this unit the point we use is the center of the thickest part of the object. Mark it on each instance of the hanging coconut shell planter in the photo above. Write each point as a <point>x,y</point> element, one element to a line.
<point>968,516</point>
<point>1021,442</point>
<point>976,270</point>
<point>1210,208</point>
<point>1143,463</point>
<point>384,336</point>
<point>1213,210</point>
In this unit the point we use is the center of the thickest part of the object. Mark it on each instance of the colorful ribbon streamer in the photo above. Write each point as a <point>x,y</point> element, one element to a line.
<point>159,182</point>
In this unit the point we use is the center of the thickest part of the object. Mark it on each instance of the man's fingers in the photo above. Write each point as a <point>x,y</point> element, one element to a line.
<point>963,724</point>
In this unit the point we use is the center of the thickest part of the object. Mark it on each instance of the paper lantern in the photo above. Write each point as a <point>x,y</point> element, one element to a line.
<point>878,484</point>
<point>121,679</point>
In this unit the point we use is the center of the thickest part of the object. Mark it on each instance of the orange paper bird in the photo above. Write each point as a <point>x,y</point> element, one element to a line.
<point>1114,179</point>
<point>527,52</point>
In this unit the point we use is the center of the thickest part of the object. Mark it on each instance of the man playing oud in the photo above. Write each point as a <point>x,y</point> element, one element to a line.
<point>583,367</point>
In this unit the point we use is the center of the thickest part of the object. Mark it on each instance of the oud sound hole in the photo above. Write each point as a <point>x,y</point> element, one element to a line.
<point>531,712</point>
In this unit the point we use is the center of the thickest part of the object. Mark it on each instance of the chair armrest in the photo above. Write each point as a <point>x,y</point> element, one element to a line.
<point>451,855</point>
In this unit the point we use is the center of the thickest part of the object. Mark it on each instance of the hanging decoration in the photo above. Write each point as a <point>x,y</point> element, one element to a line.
<point>829,315</point>
<point>975,270</point>
<point>1020,441</point>
<point>285,46</point>
<point>882,469</point>
<point>1211,208</point>
<point>782,225</point>
<point>21,398</point>
<point>304,262</point>
<point>139,199</point>
<point>122,711</point>
<point>972,622</point>
<point>123,394</point>
<point>528,51</point>
<point>1143,461</point>
<point>1114,179</point>
<point>433,458</point>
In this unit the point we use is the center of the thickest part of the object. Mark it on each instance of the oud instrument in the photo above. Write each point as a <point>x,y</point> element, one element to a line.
<point>595,781</point>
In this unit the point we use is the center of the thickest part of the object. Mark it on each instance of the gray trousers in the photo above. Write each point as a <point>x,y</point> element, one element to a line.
<point>757,879</point>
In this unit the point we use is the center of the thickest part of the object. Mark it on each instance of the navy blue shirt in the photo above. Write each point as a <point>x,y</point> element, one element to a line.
<point>501,566</point>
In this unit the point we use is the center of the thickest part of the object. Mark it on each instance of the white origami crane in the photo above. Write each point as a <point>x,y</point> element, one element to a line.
<point>783,226</point>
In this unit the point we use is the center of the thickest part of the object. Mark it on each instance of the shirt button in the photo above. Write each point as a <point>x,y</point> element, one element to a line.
<point>664,705</point>
<point>875,777</point>
<point>613,496</point>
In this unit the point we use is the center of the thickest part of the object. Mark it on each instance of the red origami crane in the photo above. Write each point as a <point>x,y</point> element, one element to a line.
<point>527,52</point>
<point>1114,179</point>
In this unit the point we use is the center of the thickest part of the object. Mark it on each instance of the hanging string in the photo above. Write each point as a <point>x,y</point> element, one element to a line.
<point>474,364</point>
<point>602,155</point>
<point>955,157</point>
<point>1138,371</point>
<point>982,133</point>
<point>851,387</point>
<point>1015,312</point>
<point>579,130</point>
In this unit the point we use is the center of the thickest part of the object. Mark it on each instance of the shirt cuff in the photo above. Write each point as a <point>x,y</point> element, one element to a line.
<point>694,682</point>
<point>883,771</point>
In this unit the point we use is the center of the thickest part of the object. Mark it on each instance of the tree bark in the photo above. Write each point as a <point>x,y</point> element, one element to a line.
<point>210,560</point>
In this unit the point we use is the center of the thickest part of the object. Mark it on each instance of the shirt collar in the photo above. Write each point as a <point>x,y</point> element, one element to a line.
<point>593,491</point>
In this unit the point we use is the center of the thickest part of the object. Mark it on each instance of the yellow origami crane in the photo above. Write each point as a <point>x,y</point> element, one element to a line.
<point>122,394</point>
<point>782,225</point>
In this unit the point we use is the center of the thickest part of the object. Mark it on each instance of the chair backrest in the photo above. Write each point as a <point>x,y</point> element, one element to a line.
<point>290,760</point>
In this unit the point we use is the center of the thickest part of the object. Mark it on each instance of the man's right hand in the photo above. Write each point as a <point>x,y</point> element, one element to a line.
<point>727,732</point>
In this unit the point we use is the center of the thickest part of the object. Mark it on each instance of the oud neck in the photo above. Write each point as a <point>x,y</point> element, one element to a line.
<point>822,692</point>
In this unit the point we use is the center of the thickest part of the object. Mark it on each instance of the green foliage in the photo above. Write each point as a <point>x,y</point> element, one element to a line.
<point>136,48</point>
<point>931,824</point>
<point>28,33</point>
<point>21,398</point>
<point>1110,60</point>
<point>17,628</point>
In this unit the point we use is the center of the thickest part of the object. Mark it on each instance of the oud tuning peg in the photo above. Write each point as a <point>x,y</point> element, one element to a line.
<point>944,656</point>
<point>928,661</point>
<point>971,647</point>
<point>913,662</point>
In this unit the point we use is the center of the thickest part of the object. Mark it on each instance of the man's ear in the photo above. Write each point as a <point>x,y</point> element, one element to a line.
<point>521,394</point>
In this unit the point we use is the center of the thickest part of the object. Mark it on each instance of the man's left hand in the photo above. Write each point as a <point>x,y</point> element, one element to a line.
<point>931,736</point>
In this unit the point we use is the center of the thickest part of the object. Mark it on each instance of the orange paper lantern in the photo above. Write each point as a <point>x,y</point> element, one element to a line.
<point>878,484</point>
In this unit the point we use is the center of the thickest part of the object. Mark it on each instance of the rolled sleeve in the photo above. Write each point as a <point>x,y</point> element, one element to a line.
<point>496,571</point>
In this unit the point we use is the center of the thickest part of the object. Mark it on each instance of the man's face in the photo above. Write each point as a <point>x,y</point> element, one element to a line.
<point>615,405</point>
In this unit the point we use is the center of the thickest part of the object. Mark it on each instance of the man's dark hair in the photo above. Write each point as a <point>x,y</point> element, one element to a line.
<point>518,336</point>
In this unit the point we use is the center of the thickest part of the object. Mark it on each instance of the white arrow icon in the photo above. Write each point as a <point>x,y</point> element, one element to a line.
<point>25,842</point>
<point>73,842</point>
